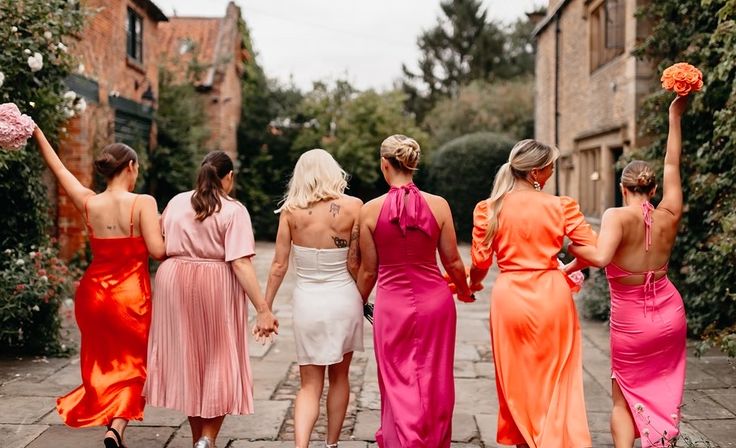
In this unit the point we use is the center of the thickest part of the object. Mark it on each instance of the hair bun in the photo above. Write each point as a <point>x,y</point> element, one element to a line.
<point>645,178</point>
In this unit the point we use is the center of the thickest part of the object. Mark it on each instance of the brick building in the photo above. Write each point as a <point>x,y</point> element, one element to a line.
<point>588,93</point>
<point>118,78</point>
<point>215,45</point>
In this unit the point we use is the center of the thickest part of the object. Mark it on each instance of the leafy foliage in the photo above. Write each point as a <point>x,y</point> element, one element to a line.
<point>33,285</point>
<point>503,107</point>
<point>702,33</point>
<point>182,134</point>
<point>33,26</point>
<point>462,172</point>
<point>595,297</point>
<point>464,46</point>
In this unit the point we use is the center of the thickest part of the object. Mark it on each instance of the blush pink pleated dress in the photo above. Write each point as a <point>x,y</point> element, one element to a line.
<point>198,347</point>
<point>414,327</point>
<point>648,343</point>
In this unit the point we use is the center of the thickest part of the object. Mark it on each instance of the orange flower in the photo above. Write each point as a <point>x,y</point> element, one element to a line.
<point>682,78</point>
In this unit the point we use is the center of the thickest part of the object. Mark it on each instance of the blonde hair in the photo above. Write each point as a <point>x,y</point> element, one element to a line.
<point>402,152</point>
<point>317,177</point>
<point>638,177</point>
<point>525,156</point>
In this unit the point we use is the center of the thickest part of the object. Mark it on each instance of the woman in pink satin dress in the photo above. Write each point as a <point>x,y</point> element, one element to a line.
<point>648,327</point>
<point>414,332</point>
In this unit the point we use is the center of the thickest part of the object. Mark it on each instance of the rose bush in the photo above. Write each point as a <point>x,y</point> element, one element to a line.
<point>33,285</point>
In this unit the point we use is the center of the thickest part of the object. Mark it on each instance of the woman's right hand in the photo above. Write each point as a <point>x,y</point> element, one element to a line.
<point>678,106</point>
<point>266,324</point>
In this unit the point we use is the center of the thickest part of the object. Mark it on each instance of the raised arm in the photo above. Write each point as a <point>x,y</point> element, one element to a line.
<point>280,263</point>
<point>151,227</point>
<point>368,273</point>
<point>450,256</point>
<point>672,183</point>
<point>76,191</point>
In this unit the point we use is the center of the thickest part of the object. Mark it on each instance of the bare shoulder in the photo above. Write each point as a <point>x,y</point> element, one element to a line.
<point>435,200</point>
<point>146,200</point>
<point>372,207</point>
<point>351,202</point>
<point>613,215</point>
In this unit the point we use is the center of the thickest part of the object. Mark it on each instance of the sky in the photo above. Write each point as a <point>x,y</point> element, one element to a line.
<point>365,41</point>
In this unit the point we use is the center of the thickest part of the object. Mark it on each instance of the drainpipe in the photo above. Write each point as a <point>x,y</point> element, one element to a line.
<point>557,93</point>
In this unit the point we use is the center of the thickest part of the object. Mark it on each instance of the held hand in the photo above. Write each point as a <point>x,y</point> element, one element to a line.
<point>475,287</point>
<point>678,106</point>
<point>266,325</point>
<point>466,298</point>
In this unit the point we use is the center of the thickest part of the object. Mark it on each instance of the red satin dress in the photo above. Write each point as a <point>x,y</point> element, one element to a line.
<point>113,311</point>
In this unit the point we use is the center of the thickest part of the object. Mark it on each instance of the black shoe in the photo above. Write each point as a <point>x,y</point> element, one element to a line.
<point>117,442</point>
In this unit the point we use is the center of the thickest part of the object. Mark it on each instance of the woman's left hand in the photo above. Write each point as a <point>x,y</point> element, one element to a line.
<point>266,325</point>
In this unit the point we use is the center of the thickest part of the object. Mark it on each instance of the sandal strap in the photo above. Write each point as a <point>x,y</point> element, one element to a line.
<point>117,435</point>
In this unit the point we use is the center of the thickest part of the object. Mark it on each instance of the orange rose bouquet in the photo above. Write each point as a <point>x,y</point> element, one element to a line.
<point>682,78</point>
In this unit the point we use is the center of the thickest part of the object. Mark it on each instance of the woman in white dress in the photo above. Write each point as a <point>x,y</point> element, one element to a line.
<point>319,223</point>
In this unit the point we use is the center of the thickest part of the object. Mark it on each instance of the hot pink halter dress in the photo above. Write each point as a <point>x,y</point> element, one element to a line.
<point>414,331</point>
<point>648,337</point>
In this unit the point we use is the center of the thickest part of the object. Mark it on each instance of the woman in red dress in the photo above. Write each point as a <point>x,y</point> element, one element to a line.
<point>113,301</point>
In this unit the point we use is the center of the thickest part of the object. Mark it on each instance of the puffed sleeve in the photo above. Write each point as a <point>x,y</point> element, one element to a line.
<point>239,239</point>
<point>576,227</point>
<point>480,252</point>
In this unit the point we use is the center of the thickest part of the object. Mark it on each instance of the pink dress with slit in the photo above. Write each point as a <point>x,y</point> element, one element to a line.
<point>648,337</point>
<point>414,331</point>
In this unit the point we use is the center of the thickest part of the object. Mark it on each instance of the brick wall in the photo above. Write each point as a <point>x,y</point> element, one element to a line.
<point>101,49</point>
<point>597,109</point>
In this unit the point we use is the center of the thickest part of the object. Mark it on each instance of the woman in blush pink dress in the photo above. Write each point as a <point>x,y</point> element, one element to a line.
<point>198,347</point>
<point>414,333</point>
<point>648,327</point>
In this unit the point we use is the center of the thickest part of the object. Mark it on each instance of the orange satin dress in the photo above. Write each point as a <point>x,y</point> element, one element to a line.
<point>113,311</point>
<point>535,333</point>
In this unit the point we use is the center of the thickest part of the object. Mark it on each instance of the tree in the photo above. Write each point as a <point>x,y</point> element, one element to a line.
<point>464,46</point>
<point>703,33</point>
<point>503,107</point>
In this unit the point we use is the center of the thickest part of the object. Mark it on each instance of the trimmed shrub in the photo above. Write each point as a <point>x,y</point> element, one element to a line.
<point>462,172</point>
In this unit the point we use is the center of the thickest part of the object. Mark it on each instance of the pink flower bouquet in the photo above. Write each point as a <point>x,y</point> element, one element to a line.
<point>15,128</point>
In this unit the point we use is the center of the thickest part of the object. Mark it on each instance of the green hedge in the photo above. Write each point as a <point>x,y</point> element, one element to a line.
<point>462,171</point>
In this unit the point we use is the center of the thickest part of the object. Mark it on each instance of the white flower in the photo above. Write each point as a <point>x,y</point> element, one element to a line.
<point>20,262</point>
<point>35,62</point>
<point>36,308</point>
<point>62,47</point>
<point>32,103</point>
<point>48,35</point>
<point>80,69</point>
<point>14,29</point>
<point>2,78</point>
<point>81,105</point>
<point>68,112</point>
<point>8,251</point>
<point>27,51</point>
<point>63,347</point>
<point>32,254</point>
<point>43,278</point>
<point>70,95</point>
<point>68,303</point>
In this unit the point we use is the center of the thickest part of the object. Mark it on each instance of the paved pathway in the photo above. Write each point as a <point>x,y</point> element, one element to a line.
<point>28,388</point>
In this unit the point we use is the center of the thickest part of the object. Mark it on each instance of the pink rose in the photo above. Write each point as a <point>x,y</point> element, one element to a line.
<point>15,128</point>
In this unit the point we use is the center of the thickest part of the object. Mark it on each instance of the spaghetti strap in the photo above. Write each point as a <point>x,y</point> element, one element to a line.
<point>86,216</point>
<point>132,212</point>
<point>646,210</point>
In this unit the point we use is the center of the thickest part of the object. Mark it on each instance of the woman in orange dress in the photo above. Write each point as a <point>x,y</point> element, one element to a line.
<point>113,302</point>
<point>534,325</point>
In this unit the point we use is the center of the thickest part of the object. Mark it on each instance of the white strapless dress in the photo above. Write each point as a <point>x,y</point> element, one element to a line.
<point>328,309</point>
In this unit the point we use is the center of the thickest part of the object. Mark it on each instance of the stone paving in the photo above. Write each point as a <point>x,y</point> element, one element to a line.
<point>28,388</point>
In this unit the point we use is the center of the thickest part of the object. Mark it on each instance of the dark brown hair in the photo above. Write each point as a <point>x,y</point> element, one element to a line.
<point>114,158</point>
<point>638,177</point>
<point>206,198</point>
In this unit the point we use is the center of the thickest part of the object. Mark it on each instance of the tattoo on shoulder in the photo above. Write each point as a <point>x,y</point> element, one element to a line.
<point>340,242</point>
<point>334,209</point>
<point>355,235</point>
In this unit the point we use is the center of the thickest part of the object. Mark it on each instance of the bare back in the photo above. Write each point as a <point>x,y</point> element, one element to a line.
<point>326,224</point>
<point>110,214</point>
<point>631,254</point>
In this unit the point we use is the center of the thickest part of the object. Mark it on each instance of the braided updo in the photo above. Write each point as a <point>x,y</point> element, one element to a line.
<point>402,152</point>
<point>638,177</point>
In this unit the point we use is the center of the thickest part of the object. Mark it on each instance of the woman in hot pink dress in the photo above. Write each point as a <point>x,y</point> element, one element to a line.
<point>414,332</point>
<point>648,327</point>
<point>198,347</point>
